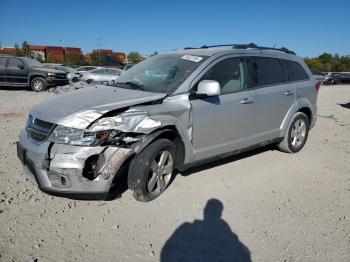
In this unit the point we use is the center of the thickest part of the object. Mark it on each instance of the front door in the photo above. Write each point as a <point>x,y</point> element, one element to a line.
<point>16,71</point>
<point>223,123</point>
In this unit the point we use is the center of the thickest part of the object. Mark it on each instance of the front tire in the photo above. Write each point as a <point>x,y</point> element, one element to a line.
<point>296,135</point>
<point>38,84</point>
<point>151,171</point>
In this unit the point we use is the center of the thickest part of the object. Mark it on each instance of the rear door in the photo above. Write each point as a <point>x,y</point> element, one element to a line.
<point>223,123</point>
<point>2,70</point>
<point>16,71</point>
<point>273,97</point>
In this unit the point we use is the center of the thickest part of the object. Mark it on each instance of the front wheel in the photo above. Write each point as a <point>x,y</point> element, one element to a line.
<point>38,84</point>
<point>151,171</point>
<point>296,135</point>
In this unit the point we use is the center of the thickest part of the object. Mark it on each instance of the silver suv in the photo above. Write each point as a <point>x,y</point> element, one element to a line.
<point>166,113</point>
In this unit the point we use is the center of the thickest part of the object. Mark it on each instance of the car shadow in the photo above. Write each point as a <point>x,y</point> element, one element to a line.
<point>219,161</point>
<point>347,105</point>
<point>15,88</point>
<point>210,239</point>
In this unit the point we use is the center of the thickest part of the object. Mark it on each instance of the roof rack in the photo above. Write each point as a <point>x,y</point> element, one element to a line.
<point>246,46</point>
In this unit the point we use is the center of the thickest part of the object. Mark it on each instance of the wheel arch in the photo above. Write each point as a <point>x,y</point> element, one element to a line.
<point>302,105</point>
<point>168,132</point>
<point>32,76</point>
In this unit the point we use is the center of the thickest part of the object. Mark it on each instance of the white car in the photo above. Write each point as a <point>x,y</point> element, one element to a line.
<point>101,75</point>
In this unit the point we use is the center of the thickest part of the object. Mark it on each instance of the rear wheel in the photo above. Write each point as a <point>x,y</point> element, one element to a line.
<point>38,84</point>
<point>329,81</point>
<point>297,134</point>
<point>151,171</point>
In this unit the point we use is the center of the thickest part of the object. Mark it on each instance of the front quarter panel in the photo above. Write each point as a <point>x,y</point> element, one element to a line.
<point>175,111</point>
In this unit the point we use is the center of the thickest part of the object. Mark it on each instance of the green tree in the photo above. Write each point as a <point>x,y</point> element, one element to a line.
<point>98,58</point>
<point>74,59</point>
<point>26,50</point>
<point>134,57</point>
<point>18,51</point>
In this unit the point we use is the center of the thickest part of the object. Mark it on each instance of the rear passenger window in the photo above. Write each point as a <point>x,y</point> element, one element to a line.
<point>264,71</point>
<point>294,71</point>
<point>229,73</point>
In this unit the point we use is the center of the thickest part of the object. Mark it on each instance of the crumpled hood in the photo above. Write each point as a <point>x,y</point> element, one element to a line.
<point>79,108</point>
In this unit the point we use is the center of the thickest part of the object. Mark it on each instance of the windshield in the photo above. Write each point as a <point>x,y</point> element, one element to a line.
<point>161,73</point>
<point>32,62</point>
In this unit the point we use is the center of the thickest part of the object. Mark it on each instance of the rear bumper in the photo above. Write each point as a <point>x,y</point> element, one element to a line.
<point>58,169</point>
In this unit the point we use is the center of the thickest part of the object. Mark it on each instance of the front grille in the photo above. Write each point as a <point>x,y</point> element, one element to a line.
<point>38,129</point>
<point>43,124</point>
<point>60,76</point>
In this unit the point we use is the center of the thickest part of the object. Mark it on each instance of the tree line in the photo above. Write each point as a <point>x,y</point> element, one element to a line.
<point>97,58</point>
<point>329,63</point>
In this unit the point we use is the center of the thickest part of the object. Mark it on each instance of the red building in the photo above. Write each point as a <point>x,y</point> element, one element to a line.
<point>54,54</point>
<point>72,50</point>
<point>119,56</point>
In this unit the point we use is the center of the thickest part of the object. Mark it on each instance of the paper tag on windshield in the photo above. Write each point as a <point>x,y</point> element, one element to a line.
<point>192,58</point>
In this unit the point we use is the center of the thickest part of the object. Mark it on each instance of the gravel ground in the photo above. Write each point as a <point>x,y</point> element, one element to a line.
<point>276,206</point>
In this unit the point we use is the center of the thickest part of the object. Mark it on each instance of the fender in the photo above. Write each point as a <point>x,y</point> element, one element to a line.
<point>35,74</point>
<point>138,147</point>
<point>297,105</point>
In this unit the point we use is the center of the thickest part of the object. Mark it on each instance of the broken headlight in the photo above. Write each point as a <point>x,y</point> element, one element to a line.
<point>74,136</point>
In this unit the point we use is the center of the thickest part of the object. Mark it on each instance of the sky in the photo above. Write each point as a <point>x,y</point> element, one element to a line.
<point>309,28</point>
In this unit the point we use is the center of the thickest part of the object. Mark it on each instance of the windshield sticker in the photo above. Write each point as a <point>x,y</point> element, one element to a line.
<point>192,58</point>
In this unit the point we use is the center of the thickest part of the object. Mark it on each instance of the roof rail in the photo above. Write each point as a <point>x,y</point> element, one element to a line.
<point>246,46</point>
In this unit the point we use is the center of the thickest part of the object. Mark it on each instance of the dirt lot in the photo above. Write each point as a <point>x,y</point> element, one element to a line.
<point>276,206</point>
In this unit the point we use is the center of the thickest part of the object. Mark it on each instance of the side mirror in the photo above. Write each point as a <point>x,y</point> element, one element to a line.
<point>20,67</point>
<point>209,88</point>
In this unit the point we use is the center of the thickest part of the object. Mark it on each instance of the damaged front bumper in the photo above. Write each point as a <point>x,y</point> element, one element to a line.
<point>77,172</point>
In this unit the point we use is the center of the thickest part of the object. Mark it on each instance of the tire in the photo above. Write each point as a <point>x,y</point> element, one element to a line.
<point>38,84</point>
<point>296,135</point>
<point>151,171</point>
<point>329,81</point>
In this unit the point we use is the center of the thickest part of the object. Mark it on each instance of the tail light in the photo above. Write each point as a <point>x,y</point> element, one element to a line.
<point>317,86</point>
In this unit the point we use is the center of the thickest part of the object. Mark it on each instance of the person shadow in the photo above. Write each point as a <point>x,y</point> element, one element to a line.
<point>210,239</point>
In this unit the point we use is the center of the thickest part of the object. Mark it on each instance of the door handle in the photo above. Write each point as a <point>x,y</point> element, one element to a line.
<point>246,101</point>
<point>288,93</point>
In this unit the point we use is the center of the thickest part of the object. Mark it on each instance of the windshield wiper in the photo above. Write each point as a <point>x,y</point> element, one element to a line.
<point>132,84</point>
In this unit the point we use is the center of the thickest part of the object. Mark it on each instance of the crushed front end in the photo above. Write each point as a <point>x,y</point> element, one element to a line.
<point>75,163</point>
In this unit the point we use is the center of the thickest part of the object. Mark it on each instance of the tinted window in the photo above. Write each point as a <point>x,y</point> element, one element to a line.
<point>14,62</point>
<point>2,61</point>
<point>229,73</point>
<point>264,71</point>
<point>294,71</point>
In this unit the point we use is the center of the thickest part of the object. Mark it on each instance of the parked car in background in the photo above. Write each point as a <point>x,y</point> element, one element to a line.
<point>101,75</point>
<point>83,69</point>
<point>319,76</point>
<point>72,74</point>
<point>169,112</point>
<point>329,78</point>
<point>23,71</point>
<point>342,78</point>
<point>128,66</point>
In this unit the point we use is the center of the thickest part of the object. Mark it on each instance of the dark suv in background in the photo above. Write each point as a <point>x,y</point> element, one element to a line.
<point>23,71</point>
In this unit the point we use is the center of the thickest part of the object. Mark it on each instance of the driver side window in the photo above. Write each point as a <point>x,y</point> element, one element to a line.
<point>229,73</point>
